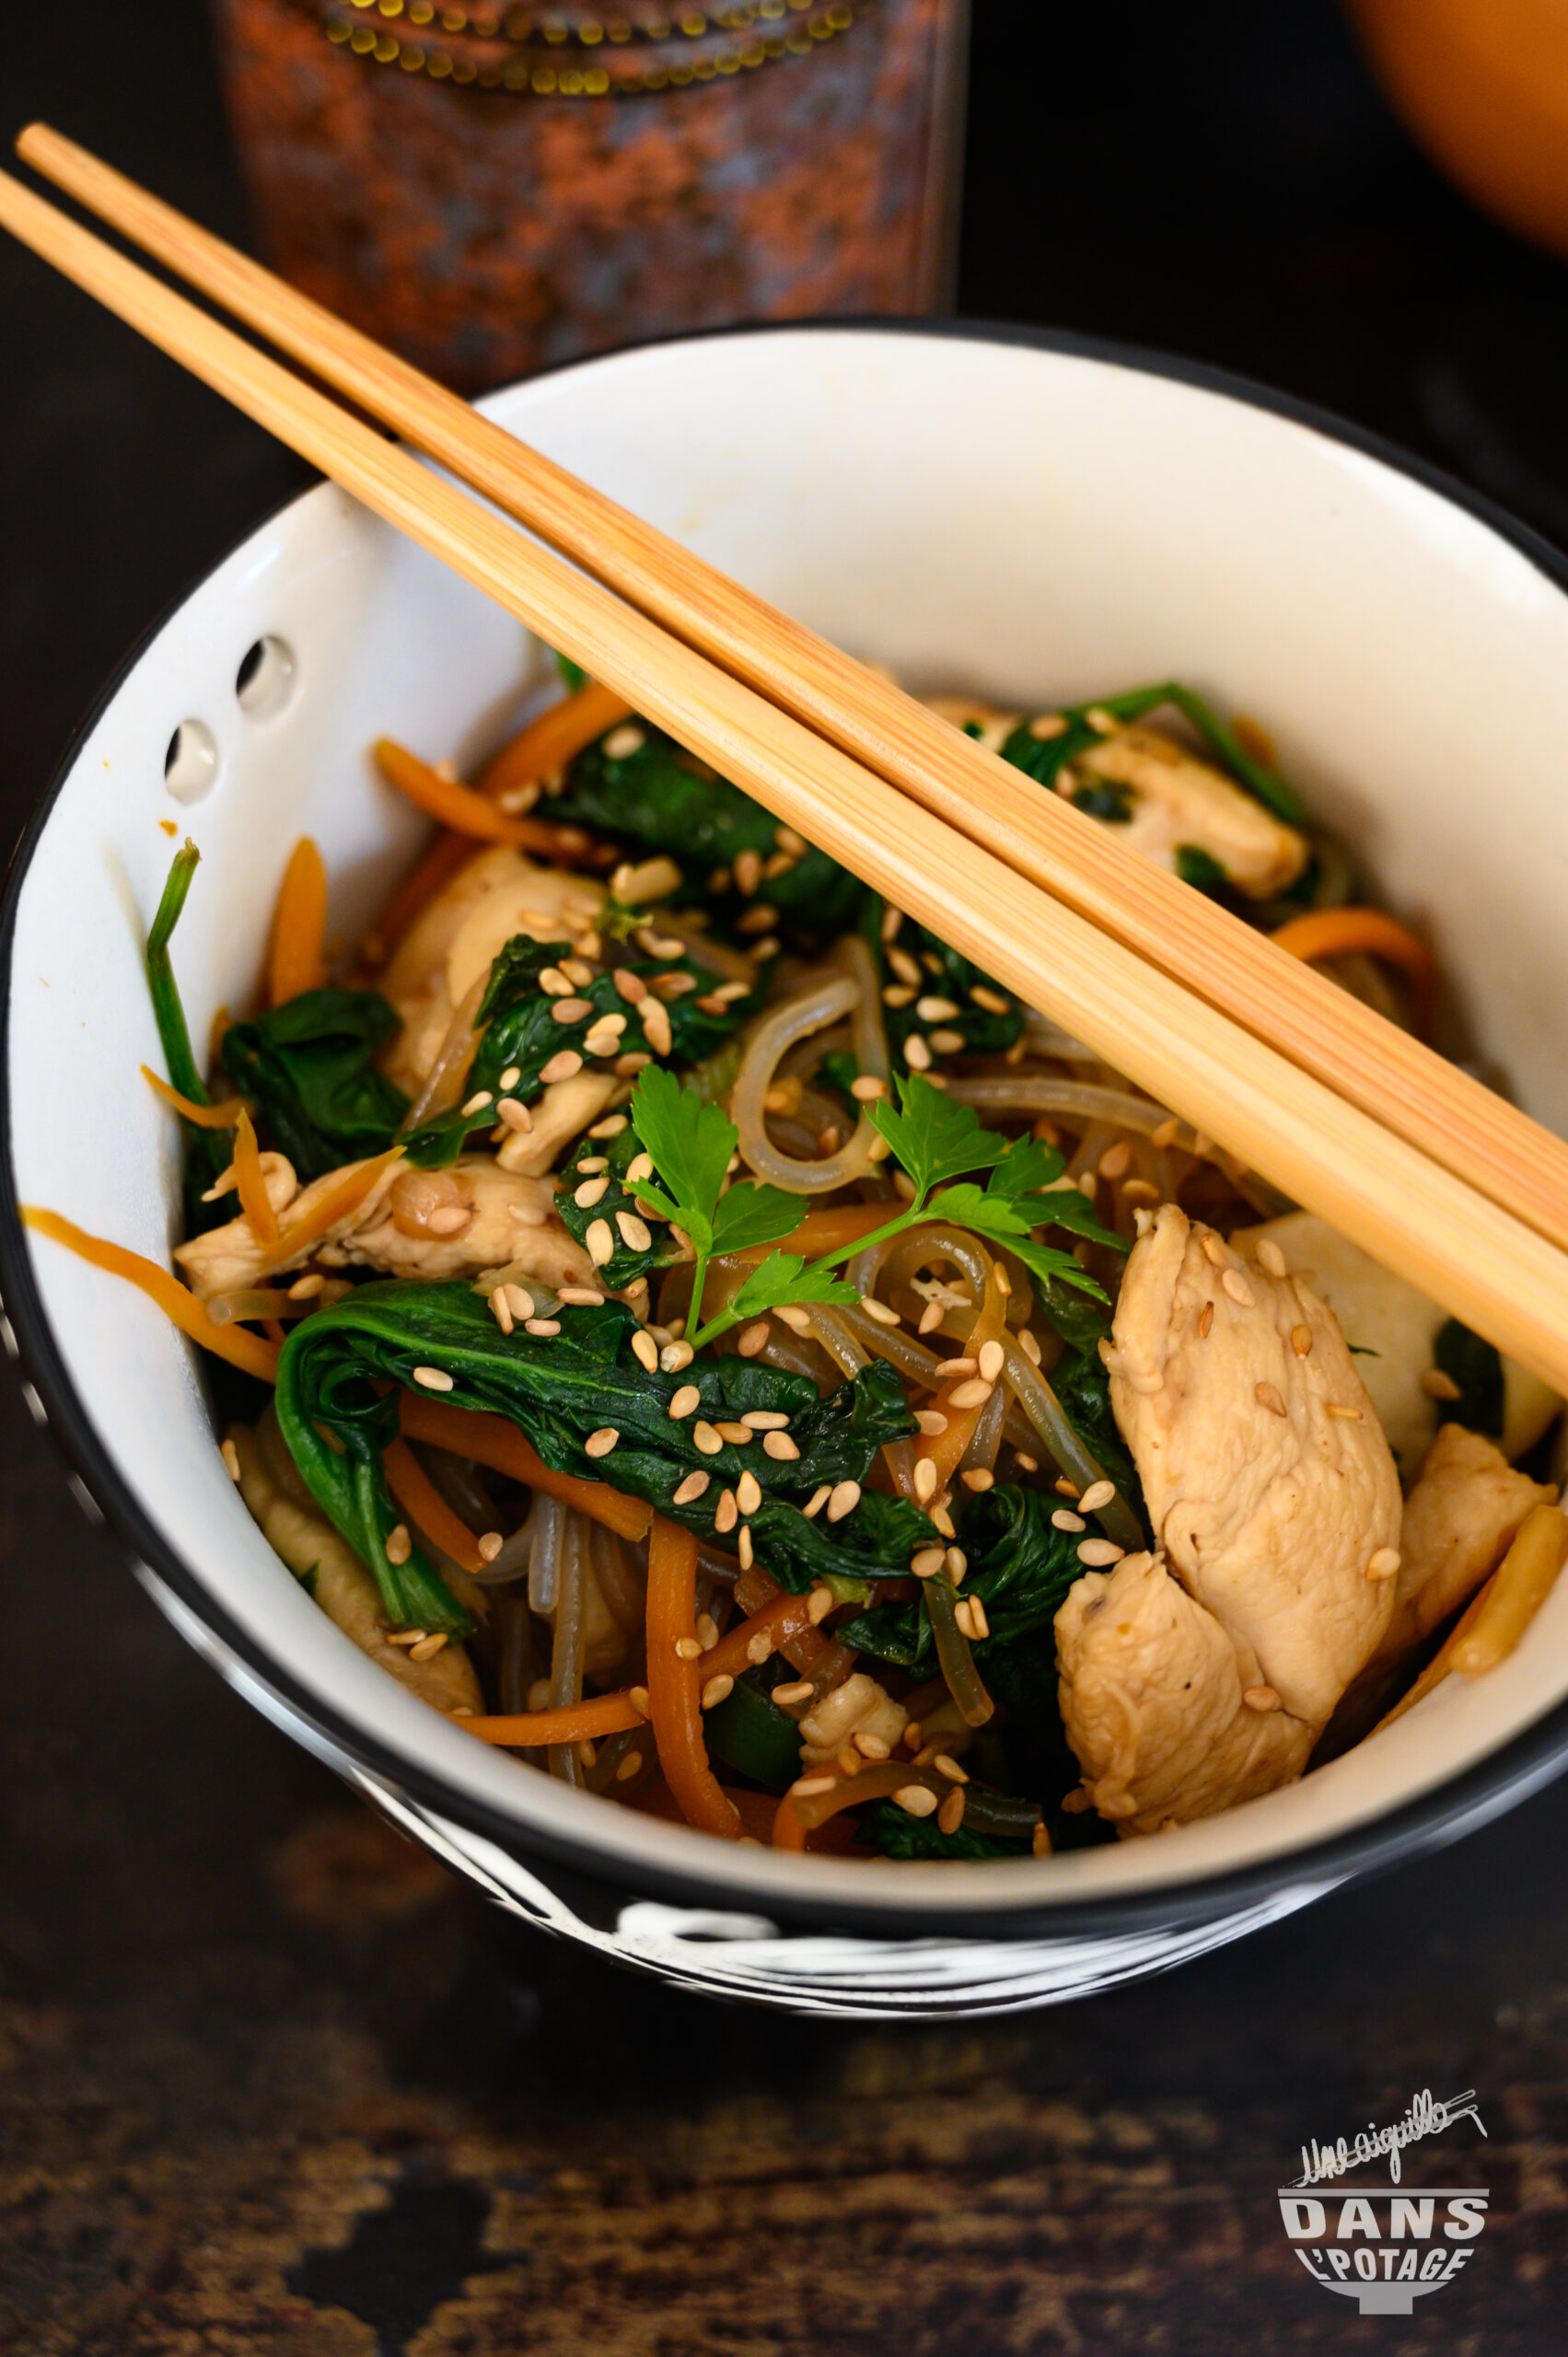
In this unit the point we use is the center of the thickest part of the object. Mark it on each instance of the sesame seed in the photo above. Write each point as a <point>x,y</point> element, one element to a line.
<point>870,1746</point>
<point>1301,1340</point>
<point>571,1010</point>
<point>1271,1258</point>
<point>589,1193</point>
<point>1205,1320</point>
<point>931,1316</point>
<point>955,1564</point>
<point>490,1543</point>
<point>972,1394</point>
<point>780,1446</point>
<point>931,1421</point>
<point>685,1401</point>
<point>935,1010</point>
<point>400,1546</point>
<point>928,1562</point>
<point>632,989</point>
<point>1439,1385</point>
<point>749,1492</point>
<point>950,1816</point>
<point>634,1232</point>
<point>736,1435</point>
<point>1098,1552</point>
<point>913,1735</point>
<point>433,1378</point>
<point>477,1102</point>
<point>230,1456</point>
<point>849,1763</point>
<point>427,1648</point>
<point>622,742</point>
<point>1236,1285</point>
<point>638,1698</point>
<point>1139,1191</point>
<point>1260,1698</point>
<point>675,1356</point>
<point>1040,1840</point>
<point>305,1288</point>
<point>705,1439</point>
<point>880,1310</point>
<point>917,1055</point>
<point>800,1691</point>
<point>717,1690</point>
<point>688,1649</point>
<point>604,1039</point>
<point>582,1297</point>
<point>564,1066</point>
<point>656,1023</point>
<point>544,1327</point>
<point>925,1480</point>
<point>979,1477</point>
<point>759,1648</point>
<point>945,1765</point>
<point>627,1767</point>
<point>1113,1164</point>
<point>753,1340</point>
<point>600,1444</point>
<point>1048,724</point>
<point>511,1076</point>
<point>1097,1494</point>
<point>1349,1415</point>
<point>1384,1563</point>
<point>1213,1251</point>
<point>844,1499</point>
<point>1167,1133</point>
<point>818,1500</point>
<point>644,1350</point>
<point>590,1165</point>
<point>1028,1342</point>
<point>692,1489</point>
<point>1100,720</point>
<point>797,1319</point>
<point>899,994</point>
<point>1267,1397</point>
<point>990,1360</point>
<point>1063,1519</point>
<point>765,1420</point>
<point>1026,1464</point>
<point>408,1637</point>
<point>600,1240</point>
<point>979,1625</point>
<point>950,1370</point>
<point>519,1303</point>
<point>916,1801</point>
<point>554,982</point>
<point>516,1116</point>
<point>991,1001</point>
<point>806,1786</point>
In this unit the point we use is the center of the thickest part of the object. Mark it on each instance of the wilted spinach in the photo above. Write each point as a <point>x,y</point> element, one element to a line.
<point>309,1070</point>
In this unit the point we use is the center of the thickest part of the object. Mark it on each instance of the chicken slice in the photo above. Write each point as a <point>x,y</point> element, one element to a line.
<point>1460,1519</point>
<point>1154,1698</point>
<point>858,1706</point>
<point>1275,1501</point>
<point>430,1224</point>
<point>563,1113</point>
<point>340,1584</point>
<point>1175,800</point>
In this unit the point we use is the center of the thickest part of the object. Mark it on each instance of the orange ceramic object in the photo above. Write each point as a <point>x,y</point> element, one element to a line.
<point>1483,85</point>
<point>493,189</point>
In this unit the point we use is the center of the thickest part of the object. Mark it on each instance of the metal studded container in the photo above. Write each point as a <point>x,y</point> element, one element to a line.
<point>493,189</point>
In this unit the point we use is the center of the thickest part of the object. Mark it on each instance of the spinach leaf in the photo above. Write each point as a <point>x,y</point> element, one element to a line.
<point>627,1262</point>
<point>208,1152</point>
<point>917,968</point>
<point>1082,1383</point>
<point>1020,1566</point>
<point>1044,758</point>
<point>752,1735</point>
<point>1105,798</point>
<point>308,1068</point>
<point>1200,868</point>
<point>1476,1368</point>
<point>896,1834</point>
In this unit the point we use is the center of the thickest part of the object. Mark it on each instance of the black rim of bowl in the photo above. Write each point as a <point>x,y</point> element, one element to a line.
<point>1458,1805</point>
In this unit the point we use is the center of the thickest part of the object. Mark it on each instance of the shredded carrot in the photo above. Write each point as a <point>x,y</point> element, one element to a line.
<point>231,1342</point>
<point>468,812</point>
<point>675,1685</point>
<point>1337,933</point>
<point>423,1504</point>
<point>436,868</point>
<point>205,1117</point>
<point>337,1204</point>
<point>296,951</point>
<point>945,1449</point>
<point>553,739</point>
<point>823,1231</point>
<point>755,1810</point>
<point>250,1184</point>
<point>570,1722</point>
<point>799,1814</point>
<point>787,1616</point>
<point>495,1442</point>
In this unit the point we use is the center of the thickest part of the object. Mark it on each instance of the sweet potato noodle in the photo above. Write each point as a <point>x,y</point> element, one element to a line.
<point>708,1339</point>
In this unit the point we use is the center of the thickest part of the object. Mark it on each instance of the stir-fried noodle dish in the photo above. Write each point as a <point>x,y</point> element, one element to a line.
<point>705,1336</point>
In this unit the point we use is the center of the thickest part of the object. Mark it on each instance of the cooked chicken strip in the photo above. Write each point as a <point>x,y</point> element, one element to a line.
<point>345,1591</point>
<point>429,1224</point>
<point>1460,1519</point>
<point>1153,1696</point>
<point>1178,800</point>
<point>1268,1481</point>
<point>563,1113</point>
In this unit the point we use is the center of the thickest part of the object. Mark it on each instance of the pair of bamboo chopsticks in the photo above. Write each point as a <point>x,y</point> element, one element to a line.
<point>1437,1178</point>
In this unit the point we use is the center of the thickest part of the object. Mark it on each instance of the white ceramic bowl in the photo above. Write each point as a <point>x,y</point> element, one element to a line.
<point>1024,517</point>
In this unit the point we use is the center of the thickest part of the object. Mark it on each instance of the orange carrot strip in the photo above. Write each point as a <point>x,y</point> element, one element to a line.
<point>422,1503</point>
<point>945,1449</point>
<point>569,1722</point>
<point>553,739</point>
<point>675,1685</point>
<point>466,812</point>
<point>296,958</point>
<point>250,1185</point>
<point>231,1342</point>
<point>1334,932</point>
<point>205,1117</point>
<point>823,1231</point>
<point>297,1236</point>
<point>436,867</point>
<point>787,1616</point>
<point>755,1810</point>
<point>495,1442</point>
<point>799,1814</point>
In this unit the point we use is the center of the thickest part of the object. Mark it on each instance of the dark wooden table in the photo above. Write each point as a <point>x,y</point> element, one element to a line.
<point>270,2082</point>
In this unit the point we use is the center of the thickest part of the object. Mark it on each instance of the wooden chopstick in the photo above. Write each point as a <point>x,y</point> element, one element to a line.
<point>1482,1264</point>
<point>1307,1017</point>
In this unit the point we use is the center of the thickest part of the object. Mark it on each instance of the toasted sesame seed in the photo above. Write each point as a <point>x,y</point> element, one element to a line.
<point>816,1500</point>
<point>806,1786</point>
<point>1167,1133</point>
<point>1100,720</point>
<point>931,1316</point>
<point>230,1456</point>
<point>717,1689</point>
<point>644,1350</point>
<point>1260,1698</point>
<point>950,1370</point>
<point>797,1319</point>
<point>916,1801</point>
<point>913,1735</point>
<point>955,1564</point>
<point>600,1239</point>
<point>972,1394</point>
<point>991,1001</point>
<point>519,1303</point>
<point>604,1039</point>
<point>753,1339</point>
<point>1063,1519</point>
<point>427,1648</point>
<point>1098,1553</point>
<point>516,1116</point>
<point>554,982</point>
<point>433,1378</point>
<point>990,1360</point>
<point>656,1023</point>
<point>633,990</point>
<point>638,1698</point>
<point>1384,1563</point>
<point>1236,1285</point>
<point>622,742</point>
<point>544,1327</point>
<point>925,1480</point>
<point>950,1816</point>
<point>511,1076</point>
<point>935,1010</point>
<point>1213,1251</point>
<point>1438,1385</point>
<point>634,1232</point>
<point>305,1288</point>
<point>759,1648</point>
<point>688,1649</point>
<point>1097,1494</point>
<point>600,1444</point>
<point>566,1065</point>
<point>844,1499</point>
<point>899,994</point>
<point>801,1690</point>
<point>1349,1415</point>
<point>686,1402</point>
<point>490,1543</point>
<point>398,1544</point>
<point>945,1765</point>
<point>1028,1342</point>
<point>880,1310</point>
<point>675,1356</point>
<point>582,1297</point>
<point>589,1193</point>
<point>1026,1464</point>
<point>979,1477</point>
<point>1113,1164</point>
<point>628,1766</point>
<point>928,1562</point>
<point>1271,1258</point>
<point>1267,1395</point>
<point>409,1637</point>
<point>705,1439</point>
<point>1048,724</point>
<point>931,1421</point>
<point>749,1492</point>
<point>870,1746</point>
<point>1301,1340</point>
<point>850,1762</point>
<point>478,1102</point>
<point>738,1436</point>
<point>917,1055</point>
<point>780,1446</point>
<point>979,1625</point>
<point>692,1489</point>
<point>590,1165</point>
<point>1205,1320</point>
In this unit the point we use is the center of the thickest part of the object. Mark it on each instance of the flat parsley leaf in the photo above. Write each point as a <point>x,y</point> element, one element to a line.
<point>691,1145</point>
<point>785,1277</point>
<point>933,1138</point>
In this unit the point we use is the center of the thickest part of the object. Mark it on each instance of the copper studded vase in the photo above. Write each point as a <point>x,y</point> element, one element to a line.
<point>492,191</point>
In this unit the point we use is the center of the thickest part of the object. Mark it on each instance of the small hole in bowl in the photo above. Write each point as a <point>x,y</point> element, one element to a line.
<point>190,765</point>
<point>264,682</point>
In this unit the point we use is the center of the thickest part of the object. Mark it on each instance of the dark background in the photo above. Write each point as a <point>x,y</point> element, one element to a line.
<point>268,2081</point>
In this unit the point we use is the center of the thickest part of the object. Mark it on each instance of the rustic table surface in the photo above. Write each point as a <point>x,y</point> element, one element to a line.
<point>270,2082</point>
